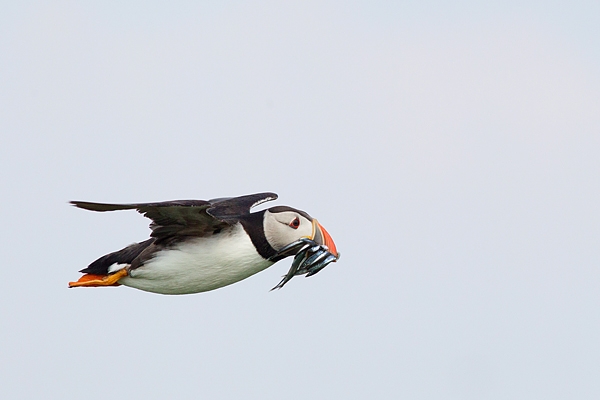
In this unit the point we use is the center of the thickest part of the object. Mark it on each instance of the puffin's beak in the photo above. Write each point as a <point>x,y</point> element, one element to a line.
<point>321,236</point>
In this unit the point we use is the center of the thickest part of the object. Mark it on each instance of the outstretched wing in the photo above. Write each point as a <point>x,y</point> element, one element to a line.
<point>230,209</point>
<point>182,218</point>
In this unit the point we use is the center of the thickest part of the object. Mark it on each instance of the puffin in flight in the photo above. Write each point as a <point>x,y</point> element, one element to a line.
<point>199,245</point>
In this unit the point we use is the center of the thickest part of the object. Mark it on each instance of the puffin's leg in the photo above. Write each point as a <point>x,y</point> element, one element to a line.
<point>100,280</point>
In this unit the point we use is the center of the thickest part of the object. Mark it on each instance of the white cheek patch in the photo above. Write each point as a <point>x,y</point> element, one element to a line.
<point>278,231</point>
<point>116,267</point>
<point>306,229</point>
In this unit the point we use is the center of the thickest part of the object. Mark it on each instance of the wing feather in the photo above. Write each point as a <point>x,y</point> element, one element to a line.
<point>174,220</point>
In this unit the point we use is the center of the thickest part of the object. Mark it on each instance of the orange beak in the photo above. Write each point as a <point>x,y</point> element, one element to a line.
<point>321,236</point>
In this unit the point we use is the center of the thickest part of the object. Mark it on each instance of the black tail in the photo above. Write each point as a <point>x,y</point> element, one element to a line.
<point>124,256</point>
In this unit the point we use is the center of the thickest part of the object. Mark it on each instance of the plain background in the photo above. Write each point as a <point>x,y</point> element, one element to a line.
<point>452,151</point>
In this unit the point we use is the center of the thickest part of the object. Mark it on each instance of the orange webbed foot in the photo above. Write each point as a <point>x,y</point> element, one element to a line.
<point>91,280</point>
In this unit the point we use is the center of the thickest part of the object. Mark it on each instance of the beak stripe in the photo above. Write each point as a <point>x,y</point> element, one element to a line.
<point>320,235</point>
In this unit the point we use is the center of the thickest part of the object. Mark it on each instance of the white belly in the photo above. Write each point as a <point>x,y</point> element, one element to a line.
<point>199,265</point>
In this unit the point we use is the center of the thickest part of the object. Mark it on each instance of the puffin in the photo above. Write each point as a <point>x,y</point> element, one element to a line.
<point>201,245</point>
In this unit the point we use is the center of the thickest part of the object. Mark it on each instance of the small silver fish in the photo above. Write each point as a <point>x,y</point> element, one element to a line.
<point>310,258</point>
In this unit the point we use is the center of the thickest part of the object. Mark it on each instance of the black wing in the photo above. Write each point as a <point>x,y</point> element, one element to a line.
<point>229,209</point>
<point>180,218</point>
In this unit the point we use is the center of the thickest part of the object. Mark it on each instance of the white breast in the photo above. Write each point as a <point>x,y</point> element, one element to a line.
<point>200,264</point>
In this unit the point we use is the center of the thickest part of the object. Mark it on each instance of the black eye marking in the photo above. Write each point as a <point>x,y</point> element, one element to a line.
<point>295,223</point>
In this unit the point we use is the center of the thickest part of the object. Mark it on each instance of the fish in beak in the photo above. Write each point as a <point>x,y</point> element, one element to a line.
<point>312,254</point>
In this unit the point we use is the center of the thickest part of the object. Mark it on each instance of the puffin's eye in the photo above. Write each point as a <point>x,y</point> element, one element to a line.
<point>295,223</point>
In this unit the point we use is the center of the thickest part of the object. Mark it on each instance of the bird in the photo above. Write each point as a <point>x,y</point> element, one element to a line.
<point>201,245</point>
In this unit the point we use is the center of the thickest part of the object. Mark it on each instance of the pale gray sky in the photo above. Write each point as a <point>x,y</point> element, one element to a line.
<point>452,151</point>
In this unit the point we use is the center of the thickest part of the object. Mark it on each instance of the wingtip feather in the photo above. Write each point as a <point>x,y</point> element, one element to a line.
<point>86,205</point>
